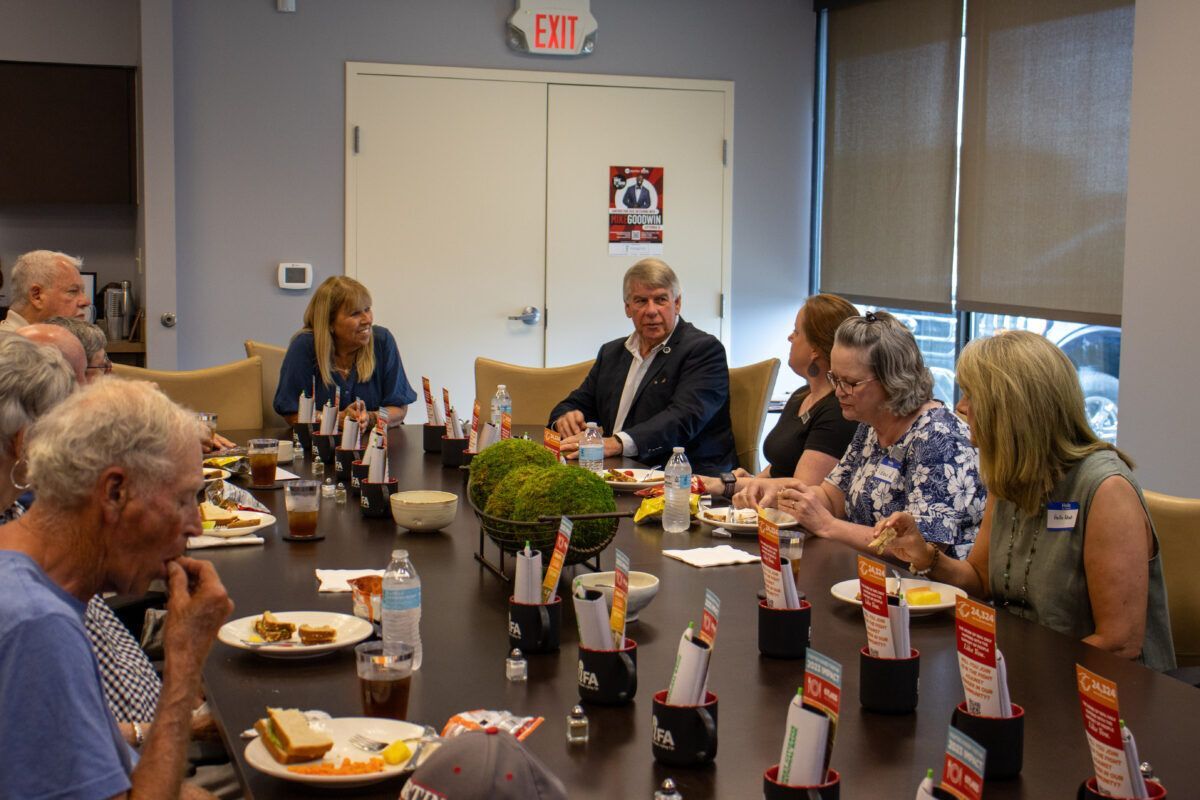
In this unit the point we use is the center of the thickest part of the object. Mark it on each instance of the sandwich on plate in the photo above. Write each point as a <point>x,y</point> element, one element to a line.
<point>289,738</point>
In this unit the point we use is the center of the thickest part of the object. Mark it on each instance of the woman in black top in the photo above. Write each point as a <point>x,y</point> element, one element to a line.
<point>811,435</point>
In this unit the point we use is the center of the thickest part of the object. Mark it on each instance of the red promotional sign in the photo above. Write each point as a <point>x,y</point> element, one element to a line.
<point>635,211</point>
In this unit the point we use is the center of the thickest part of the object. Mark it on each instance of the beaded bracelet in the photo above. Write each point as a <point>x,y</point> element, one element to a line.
<point>921,573</point>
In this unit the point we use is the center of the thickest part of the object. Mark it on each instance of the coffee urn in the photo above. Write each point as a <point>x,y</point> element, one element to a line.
<point>118,309</point>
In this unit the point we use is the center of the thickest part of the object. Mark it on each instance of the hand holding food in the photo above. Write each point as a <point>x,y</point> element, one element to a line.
<point>907,543</point>
<point>806,504</point>
<point>882,540</point>
<point>197,607</point>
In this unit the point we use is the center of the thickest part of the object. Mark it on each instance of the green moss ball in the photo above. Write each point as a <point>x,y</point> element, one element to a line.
<point>567,490</point>
<point>489,467</point>
<point>504,496</point>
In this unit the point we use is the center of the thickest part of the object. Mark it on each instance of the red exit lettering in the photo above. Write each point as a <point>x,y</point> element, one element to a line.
<point>554,31</point>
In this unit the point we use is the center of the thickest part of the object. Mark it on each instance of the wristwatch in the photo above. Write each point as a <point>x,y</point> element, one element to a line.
<point>730,481</point>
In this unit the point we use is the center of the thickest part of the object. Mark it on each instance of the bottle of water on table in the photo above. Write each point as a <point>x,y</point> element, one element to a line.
<point>501,404</point>
<point>402,605</point>
<point>677,490</point>
<point>591,449</point>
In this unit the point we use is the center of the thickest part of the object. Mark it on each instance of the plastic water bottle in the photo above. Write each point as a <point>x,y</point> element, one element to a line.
<point>402,605</point>
<point>591,449</point>
<point>677,490</point>
<point>501,404</point>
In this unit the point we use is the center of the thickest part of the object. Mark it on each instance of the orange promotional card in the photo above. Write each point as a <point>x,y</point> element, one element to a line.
<point>872,589</point>
<point>975,632</point>
<point>1102,722</point>
<point>768,550</point>
<point>561,543</point>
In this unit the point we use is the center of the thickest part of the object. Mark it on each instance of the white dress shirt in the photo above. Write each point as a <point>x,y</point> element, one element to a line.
<point>633,379</point>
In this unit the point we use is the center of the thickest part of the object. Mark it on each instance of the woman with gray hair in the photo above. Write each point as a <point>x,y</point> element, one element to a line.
<point>33,378</point>
<point>910,454</point>
<point>94,342</point>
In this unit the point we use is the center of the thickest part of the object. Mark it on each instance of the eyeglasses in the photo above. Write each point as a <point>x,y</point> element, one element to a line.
<point>848,387</point>
<point>106,367</point>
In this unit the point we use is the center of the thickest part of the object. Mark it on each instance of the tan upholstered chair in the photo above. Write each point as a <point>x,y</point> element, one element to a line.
<point>233,391</point>
<point>750,390</point>
<point>535,391</point>
<point>1177,521</point>
<point>272,363</point>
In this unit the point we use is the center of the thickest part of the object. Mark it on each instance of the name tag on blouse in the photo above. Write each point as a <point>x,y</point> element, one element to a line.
<point>887,471</point>
<point>1061,516</point>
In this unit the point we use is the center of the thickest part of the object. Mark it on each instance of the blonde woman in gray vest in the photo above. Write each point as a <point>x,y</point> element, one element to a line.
<point>1066,540</point>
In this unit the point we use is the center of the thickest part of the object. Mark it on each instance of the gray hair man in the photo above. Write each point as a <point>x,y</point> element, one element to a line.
<point>665,385</point>
<point>117,468</point>
<point>94,342</point>
<point>45,284</point>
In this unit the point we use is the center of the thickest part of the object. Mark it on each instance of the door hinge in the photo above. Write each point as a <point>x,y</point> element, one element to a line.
<point>356,140</point>
<point>721,304</point>
<point>724,152</point>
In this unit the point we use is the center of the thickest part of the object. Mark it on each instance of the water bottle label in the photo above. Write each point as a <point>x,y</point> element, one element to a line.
<point>684,481</point>
<point>402,599</point>
<point>591,452</point>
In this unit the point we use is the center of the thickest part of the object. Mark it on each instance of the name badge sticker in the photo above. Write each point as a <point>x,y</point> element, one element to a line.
<point>887,471</point>
<point>1061,516</point>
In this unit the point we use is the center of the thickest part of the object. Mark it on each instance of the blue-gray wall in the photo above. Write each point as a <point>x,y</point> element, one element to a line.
<point>259,109</point>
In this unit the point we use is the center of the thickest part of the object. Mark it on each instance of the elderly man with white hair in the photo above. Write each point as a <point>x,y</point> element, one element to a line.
<point>45,284</point>
<point>117,469</point>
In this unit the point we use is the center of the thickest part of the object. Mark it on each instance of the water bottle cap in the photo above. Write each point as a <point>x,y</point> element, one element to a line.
<point>500,386</point>
<point>676,449</point>
<point>399,553</point>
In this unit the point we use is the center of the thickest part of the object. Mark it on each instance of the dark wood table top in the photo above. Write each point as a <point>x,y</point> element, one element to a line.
<point>464,633</point>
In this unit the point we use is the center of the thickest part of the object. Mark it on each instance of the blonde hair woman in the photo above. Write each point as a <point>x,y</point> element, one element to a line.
<point>1066,539</point>
<point>340,347</point>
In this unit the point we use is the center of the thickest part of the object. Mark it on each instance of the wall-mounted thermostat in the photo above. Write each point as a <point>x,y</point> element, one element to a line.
<point>293,275</point>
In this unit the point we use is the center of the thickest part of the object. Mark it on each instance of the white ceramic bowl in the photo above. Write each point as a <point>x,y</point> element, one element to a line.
<point>642,588</point>
<point>424,509</point>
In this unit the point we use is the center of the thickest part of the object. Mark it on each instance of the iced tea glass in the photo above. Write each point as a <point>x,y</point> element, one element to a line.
<point>303,502</point>
<point>264,455</point>
<point>384,678</point>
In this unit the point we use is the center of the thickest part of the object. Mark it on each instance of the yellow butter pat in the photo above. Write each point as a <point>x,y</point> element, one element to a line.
<point>922,596</point>
<point>397,753</point>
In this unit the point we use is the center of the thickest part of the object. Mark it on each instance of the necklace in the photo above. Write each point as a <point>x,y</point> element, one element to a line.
<point>1012,538</point>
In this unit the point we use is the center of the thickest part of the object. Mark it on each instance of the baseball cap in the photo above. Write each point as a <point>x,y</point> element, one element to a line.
<point>483,765</point>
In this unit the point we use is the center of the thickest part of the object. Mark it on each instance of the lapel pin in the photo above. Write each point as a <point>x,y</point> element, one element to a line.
<point>666,350</point>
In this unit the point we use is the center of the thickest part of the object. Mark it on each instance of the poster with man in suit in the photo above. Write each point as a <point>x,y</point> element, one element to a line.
<point>635,211</point>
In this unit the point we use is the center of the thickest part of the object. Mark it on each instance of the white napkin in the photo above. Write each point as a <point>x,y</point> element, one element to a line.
<point>282,474</point>
<point>201,542</point>
<point>335,580</point>
<point>712,556</point>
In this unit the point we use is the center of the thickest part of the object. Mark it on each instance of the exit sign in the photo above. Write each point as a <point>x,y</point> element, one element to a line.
<point>552,27</point>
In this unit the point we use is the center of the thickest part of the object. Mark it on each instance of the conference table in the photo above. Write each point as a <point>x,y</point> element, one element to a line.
<point>464,633</point>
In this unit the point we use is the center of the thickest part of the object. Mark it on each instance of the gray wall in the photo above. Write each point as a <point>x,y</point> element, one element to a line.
<point>259,109</point>
<point>1160,382</point>
<point>71,32</point>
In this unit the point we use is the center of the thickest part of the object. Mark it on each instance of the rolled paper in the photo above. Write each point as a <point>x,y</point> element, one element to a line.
<point>349,434</point>
<point>691,670</point>
<point>802,762</point>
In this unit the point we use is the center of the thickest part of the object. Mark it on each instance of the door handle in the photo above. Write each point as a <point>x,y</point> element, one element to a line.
<point>530,315</point>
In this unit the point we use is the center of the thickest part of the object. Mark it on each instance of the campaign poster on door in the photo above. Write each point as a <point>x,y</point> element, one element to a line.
<point>635,211</point>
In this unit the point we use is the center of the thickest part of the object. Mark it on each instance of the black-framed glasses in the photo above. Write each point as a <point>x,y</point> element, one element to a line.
<point>848,387</point>
<point>105,367</point>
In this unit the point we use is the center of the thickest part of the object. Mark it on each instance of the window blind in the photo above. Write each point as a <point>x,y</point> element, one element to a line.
<point>891,108</point>
<point>1044,155</point>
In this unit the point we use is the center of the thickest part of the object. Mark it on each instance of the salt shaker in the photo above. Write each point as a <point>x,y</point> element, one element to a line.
<point>327,490</point>
<point>577,726</point>
<point>339,494</point>
<point>667,791</point>
<point>516,668</point>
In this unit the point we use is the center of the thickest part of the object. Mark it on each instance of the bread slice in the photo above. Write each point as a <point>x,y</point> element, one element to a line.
<point>272,629</point>
<point>214,513</point>
<point>288,737</point>
<point>317,634</point>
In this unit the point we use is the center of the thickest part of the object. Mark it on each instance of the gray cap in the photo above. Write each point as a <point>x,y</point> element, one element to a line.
<point>483,765</point>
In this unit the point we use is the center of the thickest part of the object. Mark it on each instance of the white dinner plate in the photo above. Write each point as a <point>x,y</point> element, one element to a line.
<point>847,592</point>
<point>263,521</point>
<point>350,631</point>
<point>216,474</point>
<point>714,517</point>
<point>642,479</point>
<point>340,730</point>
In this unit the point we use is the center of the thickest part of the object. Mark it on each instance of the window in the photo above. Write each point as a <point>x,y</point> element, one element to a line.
<point>971,163</point>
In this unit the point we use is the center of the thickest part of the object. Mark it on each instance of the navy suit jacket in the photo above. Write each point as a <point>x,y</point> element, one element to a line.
<point>630,201</point>
<point>683,400</point>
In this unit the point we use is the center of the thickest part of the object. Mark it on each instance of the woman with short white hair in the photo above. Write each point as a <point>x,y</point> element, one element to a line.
<point>33,379</point>
<point>910,453</point>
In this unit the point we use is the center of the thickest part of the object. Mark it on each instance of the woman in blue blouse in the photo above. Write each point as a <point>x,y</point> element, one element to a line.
<point>911,454</point>
<point>340,347</point>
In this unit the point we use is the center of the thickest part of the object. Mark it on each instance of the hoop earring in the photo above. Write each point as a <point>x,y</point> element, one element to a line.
<point>12,477</point>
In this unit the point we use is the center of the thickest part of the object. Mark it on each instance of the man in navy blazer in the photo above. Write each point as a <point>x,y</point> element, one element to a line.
<point>637,195</point>
<point>666,385</point>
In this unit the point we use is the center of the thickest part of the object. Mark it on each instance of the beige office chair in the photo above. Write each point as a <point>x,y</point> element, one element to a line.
<point>233,391</point>
<point>750,389</point>
<point>535,391</point>
<point>272,362</point>
<point>1177,522</point>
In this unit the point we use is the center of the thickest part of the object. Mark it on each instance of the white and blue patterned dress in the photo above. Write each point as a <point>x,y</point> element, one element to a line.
<point>938,480</point>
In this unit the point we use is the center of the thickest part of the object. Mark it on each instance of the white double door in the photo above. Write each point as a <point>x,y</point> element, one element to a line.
<point>471,197</point>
